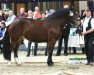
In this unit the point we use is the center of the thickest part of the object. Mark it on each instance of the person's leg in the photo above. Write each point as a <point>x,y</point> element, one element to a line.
<point>83,50</point>
<point>66,45</point>
<point>69,49</point>
<point>87,53</point>
<point>91,51</point>
<point>35,49</point>
<point>0,47</point>
<point>59,46</point>
<point>46,50</point>
<point>74,50</point>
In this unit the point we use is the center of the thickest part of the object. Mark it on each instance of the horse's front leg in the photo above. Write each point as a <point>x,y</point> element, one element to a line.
<point>50,52</point>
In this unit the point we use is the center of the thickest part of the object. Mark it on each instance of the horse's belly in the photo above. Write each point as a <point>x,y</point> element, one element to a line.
<point>37,37</point>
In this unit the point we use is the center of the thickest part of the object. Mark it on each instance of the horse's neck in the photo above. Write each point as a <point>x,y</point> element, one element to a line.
<point>58,23</point>
<point>61,24</point>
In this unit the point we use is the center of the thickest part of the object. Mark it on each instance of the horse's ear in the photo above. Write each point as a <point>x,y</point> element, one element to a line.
<point>71,13</point>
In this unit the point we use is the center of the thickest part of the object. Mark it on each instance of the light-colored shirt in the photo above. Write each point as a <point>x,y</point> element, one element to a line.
<point>85,23</point>
<point>37,15</point>
<point>10,19</point>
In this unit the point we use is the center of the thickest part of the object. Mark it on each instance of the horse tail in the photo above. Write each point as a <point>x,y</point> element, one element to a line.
<point>6,46</point>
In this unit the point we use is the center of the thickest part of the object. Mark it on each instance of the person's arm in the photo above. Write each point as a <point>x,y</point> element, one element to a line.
<point>87,32</point>
<point>11,20</point>
<point>3,34</point>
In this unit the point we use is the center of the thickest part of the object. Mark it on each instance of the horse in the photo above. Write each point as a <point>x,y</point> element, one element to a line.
<point>48,30</point>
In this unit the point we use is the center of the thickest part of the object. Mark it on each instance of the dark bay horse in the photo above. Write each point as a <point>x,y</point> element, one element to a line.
<point>48,30</point>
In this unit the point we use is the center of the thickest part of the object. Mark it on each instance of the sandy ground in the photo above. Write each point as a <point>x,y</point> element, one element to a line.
<point>36,65</point>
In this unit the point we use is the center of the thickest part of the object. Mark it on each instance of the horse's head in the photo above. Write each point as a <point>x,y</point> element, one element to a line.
<point>74,18</point>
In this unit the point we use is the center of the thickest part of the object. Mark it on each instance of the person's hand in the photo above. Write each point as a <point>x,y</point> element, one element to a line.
<point>83,33</point>
<point>76,34</point>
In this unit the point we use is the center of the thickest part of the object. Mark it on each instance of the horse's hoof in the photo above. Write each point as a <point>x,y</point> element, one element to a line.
<point>45,54</point>
<point>17,61</point>
<point>50,64</point>
<point>28,55</point>
<point>35,53</point>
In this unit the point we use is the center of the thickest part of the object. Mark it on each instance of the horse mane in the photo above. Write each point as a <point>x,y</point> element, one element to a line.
<point>59,14</point>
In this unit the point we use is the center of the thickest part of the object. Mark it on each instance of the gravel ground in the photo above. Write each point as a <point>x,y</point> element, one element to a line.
<point>36,65</point>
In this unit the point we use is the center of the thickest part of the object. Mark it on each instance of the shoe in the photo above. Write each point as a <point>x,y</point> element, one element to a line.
<point>45,53</point>
<point>74,53</point>
<point>88,63</point>
<point>65,54</point>
<point>35,53</point>
<point>91,63</point>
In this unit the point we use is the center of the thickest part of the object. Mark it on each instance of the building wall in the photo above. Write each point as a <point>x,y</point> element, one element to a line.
<point>79,5</point>
<point>82,5</point>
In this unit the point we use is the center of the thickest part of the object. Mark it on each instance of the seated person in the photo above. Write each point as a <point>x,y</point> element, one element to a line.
<point>10,18</point>
<point>22,13</point>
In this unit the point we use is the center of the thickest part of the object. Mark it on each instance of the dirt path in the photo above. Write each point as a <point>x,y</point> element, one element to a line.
<point>37,66</point>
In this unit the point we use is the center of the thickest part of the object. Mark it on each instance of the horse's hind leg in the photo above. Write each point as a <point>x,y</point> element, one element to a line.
<point>16,53</point>
<point>29,49</point>
<point>50,51</point>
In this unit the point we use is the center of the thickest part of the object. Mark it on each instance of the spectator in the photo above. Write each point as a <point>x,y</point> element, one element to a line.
<point>30,14</point>
<point>22,13</point>
<point>83,13</point>
<point>2,17</point>
<point>88,32</point>
<point>51,11</point>
<point>10,18</point>
<point>66,6</point>
<point>37,14</point>
<point>46,13</point>
<point>65,36</point>
<point>43,17</point>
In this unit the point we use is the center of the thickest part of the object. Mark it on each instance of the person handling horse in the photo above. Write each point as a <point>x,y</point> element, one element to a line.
<point>88,32</point>
<point>5,38</point>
